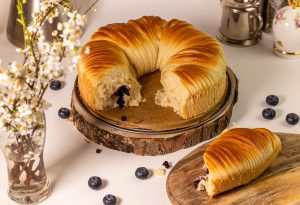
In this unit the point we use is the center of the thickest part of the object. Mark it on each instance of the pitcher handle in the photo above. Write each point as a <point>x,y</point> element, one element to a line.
<point>259,21</point>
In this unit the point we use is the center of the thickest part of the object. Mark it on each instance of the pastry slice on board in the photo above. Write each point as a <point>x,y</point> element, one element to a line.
<point>237,157</point>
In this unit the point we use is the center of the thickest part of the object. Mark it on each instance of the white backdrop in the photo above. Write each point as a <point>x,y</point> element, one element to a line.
<point>70,161</point>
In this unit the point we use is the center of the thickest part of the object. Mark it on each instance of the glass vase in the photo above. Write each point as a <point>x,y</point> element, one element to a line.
<point>27,179</point>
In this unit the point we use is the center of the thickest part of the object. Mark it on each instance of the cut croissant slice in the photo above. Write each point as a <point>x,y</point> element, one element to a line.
<point>237,157</point>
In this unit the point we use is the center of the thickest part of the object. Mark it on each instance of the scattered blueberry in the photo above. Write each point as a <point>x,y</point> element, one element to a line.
<point>64,113</point>
<point>55,85</point>
<point>292,118</point>
<point>95,183</point>
<point>272,100</point>
<point>269,113</point>
<point>166,165</point>
<point>141,173</point>
<point>98,151</point>
<point>123,118</point>
<point>109,200</point>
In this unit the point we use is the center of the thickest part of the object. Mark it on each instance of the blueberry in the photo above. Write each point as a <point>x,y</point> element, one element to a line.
<point>98,151</point>
<point>166,165</point>
<point>95,183</point>
<point>121,102</point>
<point>109,200</point>
<point>206,171</point>
<point>64,113</point>
<point>55,85</point>
<point>269,113</point>
<point>141,173</point>
<point>292,118</point>
<point>123,118</point>
<point>196,182</point>
<point>272,100</point>
<point>123,90</point>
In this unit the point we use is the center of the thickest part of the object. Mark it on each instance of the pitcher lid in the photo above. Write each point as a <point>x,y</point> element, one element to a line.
<point>242,3</point>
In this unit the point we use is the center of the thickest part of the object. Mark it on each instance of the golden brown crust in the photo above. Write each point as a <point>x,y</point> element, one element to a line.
<point>139,40</point>
<point>239,156</point>
<point>195,57</point>
<point>192,63</point>
<point>97,58</point>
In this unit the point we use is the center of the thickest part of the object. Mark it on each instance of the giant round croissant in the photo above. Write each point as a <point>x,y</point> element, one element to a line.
<point>192,65</point>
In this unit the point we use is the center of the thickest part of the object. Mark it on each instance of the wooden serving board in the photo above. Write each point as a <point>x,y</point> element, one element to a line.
<point>120,136</point>
<point>279,184</point>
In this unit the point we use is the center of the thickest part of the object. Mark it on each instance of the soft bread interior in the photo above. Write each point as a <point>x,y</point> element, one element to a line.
<point>172,95</point>
<point>193,70</point>
<point>103,69</point>
<point>109,85</point>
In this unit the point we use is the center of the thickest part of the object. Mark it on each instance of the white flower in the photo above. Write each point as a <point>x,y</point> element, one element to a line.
<point>3,77</point>
<point>50,20</point>
<point>24,110</point>
<point>22,84</point>
<point>60,26</point>
<point>54,33</point>
<point>15,68</point>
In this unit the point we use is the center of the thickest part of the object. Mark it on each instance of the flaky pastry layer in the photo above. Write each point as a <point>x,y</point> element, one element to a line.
<point>237,157</point>
<point>192,65</point>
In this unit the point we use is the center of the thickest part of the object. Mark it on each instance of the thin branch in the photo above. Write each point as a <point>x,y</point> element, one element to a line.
<point>46,15</point>
<point>29,85</point>
<point>91,7</point>
<point>19,174</point>
<point>41,96</point>
<point>62,54</point>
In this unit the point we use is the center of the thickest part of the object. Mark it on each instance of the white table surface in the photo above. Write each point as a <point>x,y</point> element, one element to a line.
<point>70,161</point>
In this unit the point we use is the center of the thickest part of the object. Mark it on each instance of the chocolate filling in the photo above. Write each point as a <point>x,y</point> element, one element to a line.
<point>120,93</point>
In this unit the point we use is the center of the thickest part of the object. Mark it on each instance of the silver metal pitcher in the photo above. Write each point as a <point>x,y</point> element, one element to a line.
<point>14,29</point>
<point>241,22</point>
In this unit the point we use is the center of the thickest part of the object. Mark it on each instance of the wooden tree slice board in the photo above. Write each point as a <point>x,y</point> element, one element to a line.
<point>279,184</point>
<point>141,141</point>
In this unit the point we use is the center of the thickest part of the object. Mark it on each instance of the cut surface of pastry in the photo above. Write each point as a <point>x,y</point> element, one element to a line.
<point>109,81</point>
<point>192,65</point>
<point>237,157</point>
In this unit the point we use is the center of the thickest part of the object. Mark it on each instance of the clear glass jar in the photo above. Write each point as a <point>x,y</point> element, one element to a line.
<point>27,179</point>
